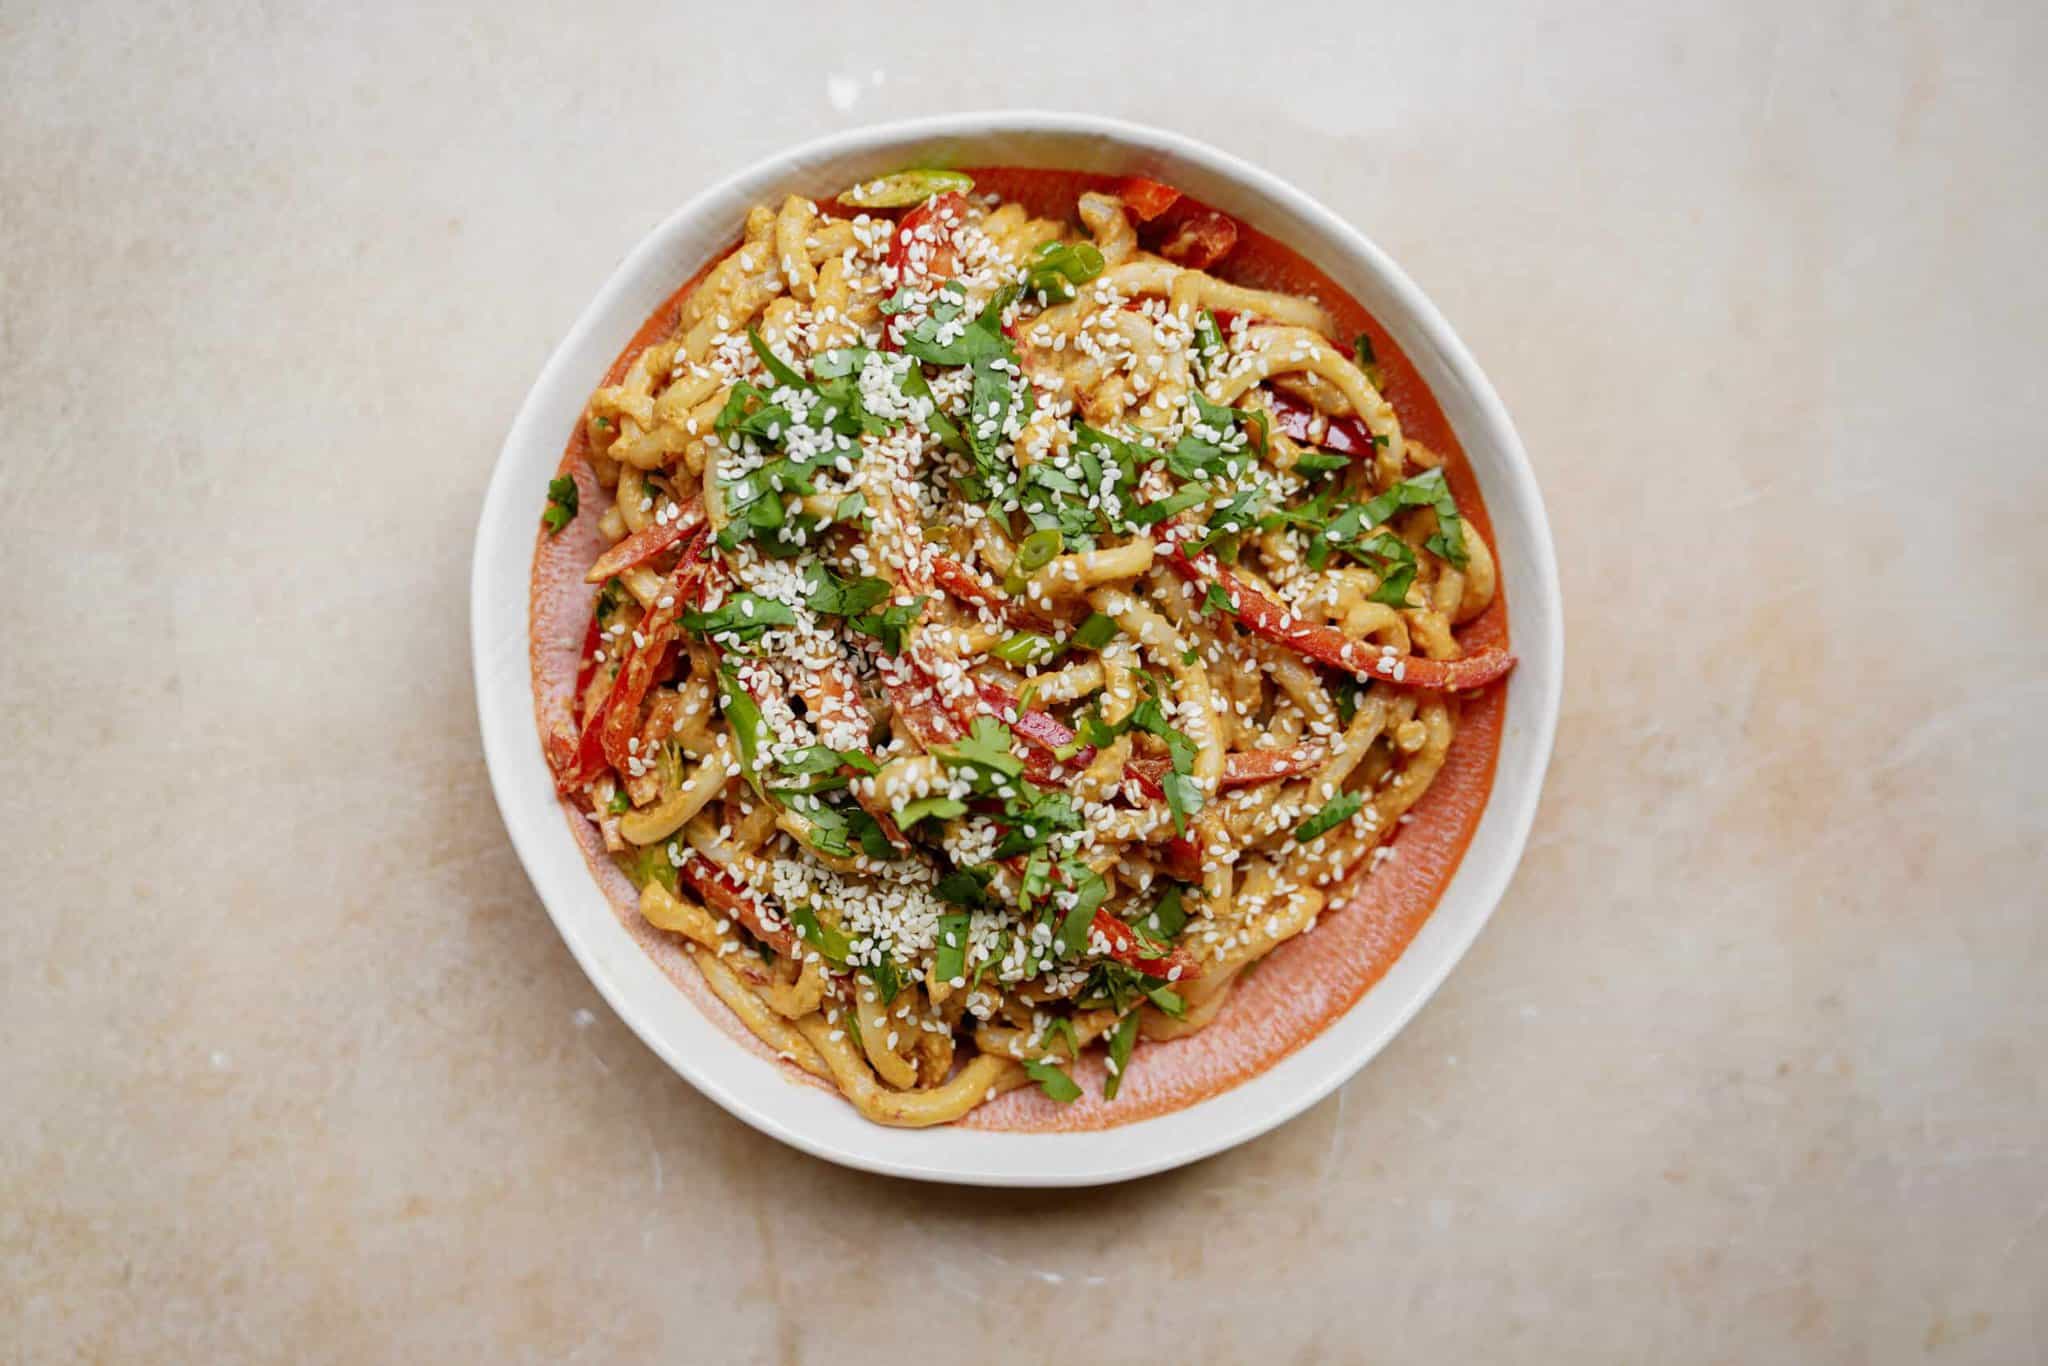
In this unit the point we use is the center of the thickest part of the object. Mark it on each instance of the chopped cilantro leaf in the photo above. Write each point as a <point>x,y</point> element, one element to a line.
<point>1320,462</point>
<point>868,833</point>
<point>984,752</point>
<point>889,624</point>
<point>829,940</point>
<point>1088,890</point>
<point>1121,1040</point>
<point>965,887</point>
<point>834,596</point>
<point>1342,808</point>
<point>1053,1080</point>
<point>1034,882</point>
<point>1034,817</point>
<point>949,957</point>
<point>938,807</point>
<point>1166,920</point>
<point>742,617</point>
<point>743,718</point>
<point>562,503</point>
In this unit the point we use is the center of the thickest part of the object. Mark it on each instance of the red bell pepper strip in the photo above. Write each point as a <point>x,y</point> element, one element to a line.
<point>964,584</point>
<point>615,719</point>
<point>1200,239</point>
<point>1039,729</point>
<point>914,696</point>
<point>656,631</point>
<point>729,896</point>
<point>1182,856</point>
<point>1342,435</point>
<point>1245,768</point>
<point>1175,964</point>
<point>1146,199</point>
<point>560,747</point>
<point>916,251</point>
<point>1263,616</point>
<point>649,541</point>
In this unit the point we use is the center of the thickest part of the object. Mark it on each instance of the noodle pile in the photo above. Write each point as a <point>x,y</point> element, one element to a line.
<point>1009,633</point>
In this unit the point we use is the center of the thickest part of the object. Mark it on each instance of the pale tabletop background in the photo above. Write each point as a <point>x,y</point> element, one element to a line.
<point>1750,1065</point>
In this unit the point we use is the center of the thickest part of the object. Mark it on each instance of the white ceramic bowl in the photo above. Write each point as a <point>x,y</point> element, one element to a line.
<point>756,1090</point>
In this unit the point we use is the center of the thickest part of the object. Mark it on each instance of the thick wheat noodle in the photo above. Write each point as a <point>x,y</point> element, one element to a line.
<point>651,825</point>
<point>1289,350</point>
<point>882,1036</point>
<point>1073,575</point>
<point>1106,220</point>
<point>983,1078</point>
<point>808,284</point>
<point>792,226</point>
<point>785,1037</point>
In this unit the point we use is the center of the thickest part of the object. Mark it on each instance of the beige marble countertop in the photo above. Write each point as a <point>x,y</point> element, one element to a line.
<point>1750,1066</point>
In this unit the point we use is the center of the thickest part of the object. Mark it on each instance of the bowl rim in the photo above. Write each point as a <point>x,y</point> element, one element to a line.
<point>754,1090</point>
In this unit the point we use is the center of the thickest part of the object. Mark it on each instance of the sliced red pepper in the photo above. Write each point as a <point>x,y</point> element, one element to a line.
<point>1245,768</point>
<point>1263,616</point>
<point>1040,728</point>
<point>1182,857</point>
<point>577,762</point>
<point>1175,965</point>
<point>636,676</point>
<point>916,254</point>
<point>560,746</point>
<point>727,895</point>
<point>616,718</point>
<point>646,543</point>
<point>1200,239</point>
<point>1044,735</point>
<point>1146,199</point>
<point>964,584</point>
<point>915,698</point>
<point>1342,435</point>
